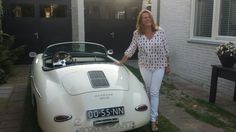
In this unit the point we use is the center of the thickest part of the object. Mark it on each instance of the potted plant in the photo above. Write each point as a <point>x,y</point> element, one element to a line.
<point>227,54</point>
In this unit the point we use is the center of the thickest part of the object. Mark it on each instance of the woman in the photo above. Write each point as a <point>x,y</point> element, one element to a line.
<point>153,58</point>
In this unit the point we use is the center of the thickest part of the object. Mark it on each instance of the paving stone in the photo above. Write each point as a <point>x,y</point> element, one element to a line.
<point>6,90</point>
<point>20,88</point>
<point>12,97</point>
<point>189,125</point>
<point>9,123</point>
<point>4,96</point>
<point>15,129</point>
<point>17,107</point>
<point>3,111</point>
<point>183,120</point>
<point>20,96</point>
<point>11,116</point>
<point>6,86</point>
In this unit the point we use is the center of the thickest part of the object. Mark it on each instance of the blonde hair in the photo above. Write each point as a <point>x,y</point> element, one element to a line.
<point>139,24</point>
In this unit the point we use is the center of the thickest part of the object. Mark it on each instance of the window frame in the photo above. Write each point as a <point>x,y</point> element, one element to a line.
<point>10,8</point>
<point>215,37</point>
<point>47,5</point>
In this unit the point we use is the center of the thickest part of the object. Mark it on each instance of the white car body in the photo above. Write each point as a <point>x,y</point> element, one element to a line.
<point>76,97</point>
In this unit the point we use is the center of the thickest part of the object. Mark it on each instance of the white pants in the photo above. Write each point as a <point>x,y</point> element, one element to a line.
<point>153,81</point>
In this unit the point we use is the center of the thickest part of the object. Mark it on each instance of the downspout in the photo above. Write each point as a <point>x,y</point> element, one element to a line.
<point>78,33</point>
<point>1,14</point>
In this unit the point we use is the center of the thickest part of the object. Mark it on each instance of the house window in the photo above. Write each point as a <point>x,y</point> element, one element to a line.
<point>53,10</point>
<point>203,18</point>
<point>228,18</point>
<point>22,10</point>
<point>214,19</point>
<point>110,10</point>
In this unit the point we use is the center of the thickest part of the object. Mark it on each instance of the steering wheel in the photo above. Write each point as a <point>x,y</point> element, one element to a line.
<point>62,58</point>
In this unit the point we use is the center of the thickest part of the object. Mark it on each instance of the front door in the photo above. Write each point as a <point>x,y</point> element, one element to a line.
<point>37,23</point>
<point>111,23</point>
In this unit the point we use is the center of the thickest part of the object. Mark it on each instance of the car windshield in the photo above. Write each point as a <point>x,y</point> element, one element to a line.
<point>72,53</point>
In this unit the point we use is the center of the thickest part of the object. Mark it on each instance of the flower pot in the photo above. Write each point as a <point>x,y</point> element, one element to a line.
<point>227,61</point>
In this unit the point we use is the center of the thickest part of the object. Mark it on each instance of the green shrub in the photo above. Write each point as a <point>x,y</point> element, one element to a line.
<point>8,55</point>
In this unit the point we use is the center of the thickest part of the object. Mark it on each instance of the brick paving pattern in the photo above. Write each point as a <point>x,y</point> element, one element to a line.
<point>12,97</point>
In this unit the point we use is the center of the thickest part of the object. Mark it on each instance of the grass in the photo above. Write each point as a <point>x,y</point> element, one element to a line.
<point>201,109</point>
<point>166,126</point>
<point>209,113</point>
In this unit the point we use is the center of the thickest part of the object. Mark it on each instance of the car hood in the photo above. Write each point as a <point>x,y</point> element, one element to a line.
<point>95,77</point>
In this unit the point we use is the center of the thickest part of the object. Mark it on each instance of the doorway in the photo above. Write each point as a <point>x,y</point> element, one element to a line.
<point>37,24</point>
<point>111,23</point>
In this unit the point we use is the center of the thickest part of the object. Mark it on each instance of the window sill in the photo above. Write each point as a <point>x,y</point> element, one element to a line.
<point>205,41</point>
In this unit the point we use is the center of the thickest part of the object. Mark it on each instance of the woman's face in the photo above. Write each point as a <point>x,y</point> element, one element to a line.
<point>146,20</point>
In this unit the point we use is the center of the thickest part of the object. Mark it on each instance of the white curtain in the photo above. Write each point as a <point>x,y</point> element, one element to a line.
<point>228,18</point>
<point>203,18</point>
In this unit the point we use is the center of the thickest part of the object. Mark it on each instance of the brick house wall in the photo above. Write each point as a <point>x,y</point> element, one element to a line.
<point>191,61</point>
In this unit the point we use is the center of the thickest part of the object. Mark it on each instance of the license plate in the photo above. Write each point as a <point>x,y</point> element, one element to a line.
<point>105,112</point>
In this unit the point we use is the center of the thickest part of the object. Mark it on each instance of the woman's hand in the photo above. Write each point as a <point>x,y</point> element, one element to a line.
<point>118,63</point>
<point>167,70</point>
<point>122,61</point>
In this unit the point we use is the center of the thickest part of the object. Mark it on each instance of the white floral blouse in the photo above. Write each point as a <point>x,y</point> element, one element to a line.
<point>151,52</point>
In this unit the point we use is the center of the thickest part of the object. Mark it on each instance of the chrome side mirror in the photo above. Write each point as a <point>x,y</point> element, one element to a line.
<point>32,54</point>
<point>110,52</point>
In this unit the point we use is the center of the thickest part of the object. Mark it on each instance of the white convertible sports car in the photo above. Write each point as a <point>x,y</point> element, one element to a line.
<point>78,87</point>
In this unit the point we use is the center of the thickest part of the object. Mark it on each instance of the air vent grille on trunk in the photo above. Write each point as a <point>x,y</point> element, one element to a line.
<point>98,79</point>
